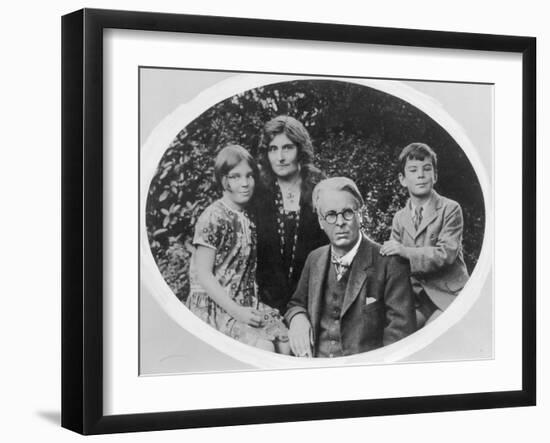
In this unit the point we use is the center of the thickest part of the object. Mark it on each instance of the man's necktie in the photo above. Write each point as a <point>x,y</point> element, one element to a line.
<point>417,217</point>
<point>339,267</point>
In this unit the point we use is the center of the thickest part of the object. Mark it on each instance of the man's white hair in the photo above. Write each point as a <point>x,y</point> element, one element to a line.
<point>336,184</point>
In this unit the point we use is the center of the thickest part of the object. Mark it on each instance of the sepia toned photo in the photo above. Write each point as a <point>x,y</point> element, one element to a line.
<point>298,221</point>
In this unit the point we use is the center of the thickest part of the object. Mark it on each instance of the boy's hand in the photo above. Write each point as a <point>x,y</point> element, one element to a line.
<point>391,247</point>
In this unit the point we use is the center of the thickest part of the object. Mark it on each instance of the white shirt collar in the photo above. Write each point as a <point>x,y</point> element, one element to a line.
<point>347,258</point>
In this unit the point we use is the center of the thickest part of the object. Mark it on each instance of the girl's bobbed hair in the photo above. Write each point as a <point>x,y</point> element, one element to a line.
<point>228,158</point>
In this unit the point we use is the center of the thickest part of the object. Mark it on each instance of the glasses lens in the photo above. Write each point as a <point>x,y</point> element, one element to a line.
<point>348,214</point>
<point>331,217</point>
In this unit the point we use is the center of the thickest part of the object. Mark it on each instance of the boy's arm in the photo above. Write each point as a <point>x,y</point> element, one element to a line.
<point>447,246</point>
<point>396,228</point>
<point>393,246</point>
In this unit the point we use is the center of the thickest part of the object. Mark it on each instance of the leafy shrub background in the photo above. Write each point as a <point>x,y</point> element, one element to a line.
<point>357,132</point>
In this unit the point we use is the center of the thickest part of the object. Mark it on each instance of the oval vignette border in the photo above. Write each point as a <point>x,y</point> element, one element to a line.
<point>166,131</point>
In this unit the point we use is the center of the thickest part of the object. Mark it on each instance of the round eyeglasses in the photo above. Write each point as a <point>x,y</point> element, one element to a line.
<point>331,216</point>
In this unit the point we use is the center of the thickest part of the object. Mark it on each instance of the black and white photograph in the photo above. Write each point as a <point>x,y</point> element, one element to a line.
<point>276,221</point>
<point>273,222</point>
<point>296,221</point>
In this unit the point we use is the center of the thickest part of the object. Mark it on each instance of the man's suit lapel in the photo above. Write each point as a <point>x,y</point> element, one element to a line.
<point>430,213</point>
<point>319,270</point>
<point>358,274</point>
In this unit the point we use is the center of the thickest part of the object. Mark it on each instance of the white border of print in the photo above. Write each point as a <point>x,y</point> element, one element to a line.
<point>125,392</point>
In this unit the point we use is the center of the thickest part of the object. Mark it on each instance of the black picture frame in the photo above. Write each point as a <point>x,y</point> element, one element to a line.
<point>82,218</point>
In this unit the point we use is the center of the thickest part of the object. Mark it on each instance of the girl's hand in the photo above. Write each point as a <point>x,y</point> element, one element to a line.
<point>249,316</point>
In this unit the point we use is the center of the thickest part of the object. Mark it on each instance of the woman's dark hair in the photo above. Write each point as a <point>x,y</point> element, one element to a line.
<point>228,158</point>
<point>297,134</point>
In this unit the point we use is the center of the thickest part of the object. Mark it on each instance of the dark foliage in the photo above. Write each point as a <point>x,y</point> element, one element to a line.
<point>357,132</point>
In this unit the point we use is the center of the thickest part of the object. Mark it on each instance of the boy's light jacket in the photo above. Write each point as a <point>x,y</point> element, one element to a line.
<point>436,257</point>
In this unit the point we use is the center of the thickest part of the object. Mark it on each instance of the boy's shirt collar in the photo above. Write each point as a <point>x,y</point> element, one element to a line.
<point>412,207</point>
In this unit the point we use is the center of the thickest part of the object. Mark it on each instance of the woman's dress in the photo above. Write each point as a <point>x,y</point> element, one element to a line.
<point>285,238</point>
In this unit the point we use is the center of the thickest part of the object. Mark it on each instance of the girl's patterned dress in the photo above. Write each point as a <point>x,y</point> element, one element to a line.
<point>233,235</point>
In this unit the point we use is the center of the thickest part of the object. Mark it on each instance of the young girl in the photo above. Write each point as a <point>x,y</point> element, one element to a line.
<point>223,266</point>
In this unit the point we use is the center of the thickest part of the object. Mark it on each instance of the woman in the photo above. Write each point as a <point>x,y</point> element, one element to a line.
<point>223,266</point>
<point>288,229</point>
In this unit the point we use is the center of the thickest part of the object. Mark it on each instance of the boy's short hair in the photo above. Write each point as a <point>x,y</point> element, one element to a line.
<point>337,184</point>
<point>228,158</point>
<point>416,151</point>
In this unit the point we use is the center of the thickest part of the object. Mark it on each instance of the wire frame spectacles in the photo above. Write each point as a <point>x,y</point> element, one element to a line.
<point>332,216</point>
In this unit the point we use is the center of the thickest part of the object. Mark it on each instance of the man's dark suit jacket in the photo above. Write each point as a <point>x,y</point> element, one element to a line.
<point>378,306</point>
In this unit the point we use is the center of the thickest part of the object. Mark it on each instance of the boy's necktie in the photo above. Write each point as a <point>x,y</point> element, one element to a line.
<point>417,217</point>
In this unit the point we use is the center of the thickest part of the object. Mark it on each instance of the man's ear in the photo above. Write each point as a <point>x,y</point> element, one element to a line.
<point>360,212</point>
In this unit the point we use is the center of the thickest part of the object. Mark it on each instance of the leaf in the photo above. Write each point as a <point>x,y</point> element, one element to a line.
<point>163,196</point>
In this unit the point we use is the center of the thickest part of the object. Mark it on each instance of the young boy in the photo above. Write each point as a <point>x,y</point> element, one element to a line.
<point>428,233</point>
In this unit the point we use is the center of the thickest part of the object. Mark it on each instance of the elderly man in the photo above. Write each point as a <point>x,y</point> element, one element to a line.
<point>349,299</point>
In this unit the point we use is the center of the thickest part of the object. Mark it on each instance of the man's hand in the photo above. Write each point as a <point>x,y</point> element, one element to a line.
<point>391,247</point>
<point>300,336</point>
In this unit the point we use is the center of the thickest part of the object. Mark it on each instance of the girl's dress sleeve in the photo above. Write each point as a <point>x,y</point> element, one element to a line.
<point>210,229</point>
